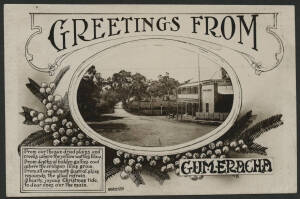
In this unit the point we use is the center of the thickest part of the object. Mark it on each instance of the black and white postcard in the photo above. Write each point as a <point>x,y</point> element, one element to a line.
<point>105,100</point>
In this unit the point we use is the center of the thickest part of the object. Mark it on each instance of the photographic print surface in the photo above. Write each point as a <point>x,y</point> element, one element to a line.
<point>149,100</point>
<point>151,96</point>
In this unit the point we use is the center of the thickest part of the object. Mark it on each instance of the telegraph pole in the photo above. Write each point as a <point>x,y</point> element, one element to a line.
<point>177,103</point>
<point>199,89</point>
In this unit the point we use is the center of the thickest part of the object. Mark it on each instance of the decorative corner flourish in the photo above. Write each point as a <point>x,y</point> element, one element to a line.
<point>258,66</point>
<point>29,56</point>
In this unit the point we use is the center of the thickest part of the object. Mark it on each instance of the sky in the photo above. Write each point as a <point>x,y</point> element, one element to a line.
<point>152,60</point>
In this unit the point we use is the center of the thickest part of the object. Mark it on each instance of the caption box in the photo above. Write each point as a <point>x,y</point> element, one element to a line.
<point>62,169</point>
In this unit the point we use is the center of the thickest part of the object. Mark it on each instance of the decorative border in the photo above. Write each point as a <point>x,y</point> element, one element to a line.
<point>257,66</point>
<point>29,56</point>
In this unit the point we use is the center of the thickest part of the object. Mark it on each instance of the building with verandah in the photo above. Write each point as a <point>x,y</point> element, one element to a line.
<point>208,99</point>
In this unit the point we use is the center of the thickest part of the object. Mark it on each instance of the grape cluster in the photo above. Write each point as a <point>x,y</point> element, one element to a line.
<point>212,150</point>
<point>54,121</point>
<point>69,135</point>
<point>164,163</point>
<point>53,105</point>
<point>239,146</point>
<point>134,162</point>
<point>218,149</point>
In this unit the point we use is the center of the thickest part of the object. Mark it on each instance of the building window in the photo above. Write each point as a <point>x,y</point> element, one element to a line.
<point>179,91</point>
<point>207,107</point>
<point>195,90</point>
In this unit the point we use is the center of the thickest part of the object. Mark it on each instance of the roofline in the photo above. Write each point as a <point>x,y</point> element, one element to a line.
<point>204,82</point>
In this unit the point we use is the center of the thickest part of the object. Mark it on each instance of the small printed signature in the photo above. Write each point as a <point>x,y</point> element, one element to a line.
<point>115,189</point>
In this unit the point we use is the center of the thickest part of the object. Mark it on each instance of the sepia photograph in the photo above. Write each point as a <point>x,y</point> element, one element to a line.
<point>154,96</point>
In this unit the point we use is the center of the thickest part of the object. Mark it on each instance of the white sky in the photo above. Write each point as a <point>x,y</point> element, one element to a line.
<point>152,60</point>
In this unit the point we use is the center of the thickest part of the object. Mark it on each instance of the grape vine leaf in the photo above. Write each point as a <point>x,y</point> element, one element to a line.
<point>157,174</point>
<point>261,127</point>
<point>111,171</point>
<point>136,177</point>
<point>37,138</point>
<point>26,114</point>
<point>256,148</point>
<point>35,89</point>
<point>239,126</point>
<point>250,134</point>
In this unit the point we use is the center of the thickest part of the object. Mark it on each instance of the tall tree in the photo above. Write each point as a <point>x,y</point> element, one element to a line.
<point>167,84</point>
<point>88,94</point>
<point>154,89</point>
<point>100,82</point>
<point>139,86</point>
<point>121,82</point>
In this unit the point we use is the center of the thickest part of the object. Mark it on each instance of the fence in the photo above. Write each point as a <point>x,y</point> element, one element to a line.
<point>153,105</point>
<point>152,108</point>
<point>151,112</point>
<point>167,107</point>
<point>211,116</point>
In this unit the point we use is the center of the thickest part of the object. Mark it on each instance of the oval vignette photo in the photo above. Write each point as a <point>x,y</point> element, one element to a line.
<point>154,95</point>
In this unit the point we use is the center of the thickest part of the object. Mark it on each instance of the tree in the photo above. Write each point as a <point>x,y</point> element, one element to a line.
<point>139,86</point>
<point>121,83</point>
<point>154,89</point>
<point>122,86</point>
<point>88,94</point>
<point>100,82</point>
<point>167,84</point>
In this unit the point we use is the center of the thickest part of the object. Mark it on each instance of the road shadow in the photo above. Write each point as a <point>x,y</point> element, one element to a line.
<point>109,127</point>
<point>104,118</point>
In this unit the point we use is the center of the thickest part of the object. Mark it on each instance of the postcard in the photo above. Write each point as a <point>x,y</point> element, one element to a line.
<point>116,100</point>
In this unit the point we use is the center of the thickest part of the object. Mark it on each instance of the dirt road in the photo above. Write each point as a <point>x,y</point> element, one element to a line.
<point>139,130</point>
